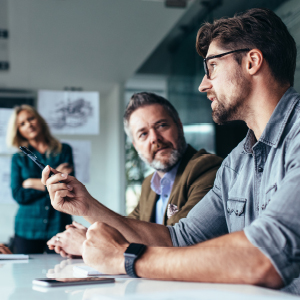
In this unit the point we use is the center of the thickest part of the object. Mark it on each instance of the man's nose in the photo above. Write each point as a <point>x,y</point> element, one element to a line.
<point>154,136</point>
<point>205,85</point>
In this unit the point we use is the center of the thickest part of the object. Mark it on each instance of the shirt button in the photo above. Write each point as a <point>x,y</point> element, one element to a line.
<point>228,210</point>
<point>260,169</point>
<point>45,221</point>
<point>166,196</point>
<point>46,207</point>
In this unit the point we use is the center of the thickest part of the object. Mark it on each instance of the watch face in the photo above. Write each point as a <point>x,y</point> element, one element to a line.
<point>134,249</point>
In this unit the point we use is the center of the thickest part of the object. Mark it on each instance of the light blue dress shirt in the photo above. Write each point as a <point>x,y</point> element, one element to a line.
<point>163,187</point>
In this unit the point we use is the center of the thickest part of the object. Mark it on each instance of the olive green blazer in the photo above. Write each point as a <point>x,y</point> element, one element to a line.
<point>195,177</point>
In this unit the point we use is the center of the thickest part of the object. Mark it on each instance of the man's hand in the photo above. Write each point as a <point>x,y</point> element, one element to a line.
<point>70,241</point>
<point>64,168</point>
<point>67,194</point>
<point>103,249</point>
<point>4,249</point>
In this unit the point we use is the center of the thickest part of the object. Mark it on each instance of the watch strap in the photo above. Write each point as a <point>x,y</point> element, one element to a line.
<point>129,266</point>
<point>131,257</point>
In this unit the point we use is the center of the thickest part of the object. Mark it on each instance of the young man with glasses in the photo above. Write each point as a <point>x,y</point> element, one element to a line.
<point>246,229</point>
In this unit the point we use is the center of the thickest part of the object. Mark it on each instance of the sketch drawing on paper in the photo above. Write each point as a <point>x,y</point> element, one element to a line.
<point>72,114</point>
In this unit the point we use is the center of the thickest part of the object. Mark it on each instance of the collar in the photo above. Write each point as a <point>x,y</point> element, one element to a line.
<point>275,126</point>
<point>168,179</point>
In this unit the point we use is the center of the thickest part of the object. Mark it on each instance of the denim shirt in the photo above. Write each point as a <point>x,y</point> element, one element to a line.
<point>257,189</point>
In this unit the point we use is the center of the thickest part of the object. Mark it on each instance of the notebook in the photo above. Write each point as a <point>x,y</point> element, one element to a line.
<point>13,256</point>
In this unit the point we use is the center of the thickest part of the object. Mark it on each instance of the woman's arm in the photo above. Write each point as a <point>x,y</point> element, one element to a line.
<point>20,194</point>
<point>33,183</point>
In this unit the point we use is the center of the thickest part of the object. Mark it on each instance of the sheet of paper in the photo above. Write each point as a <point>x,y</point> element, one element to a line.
<point>13,256</point>
<point>70,112</point>
<point>5,190</point>
<point>81,156</point>
<point>5,114</point>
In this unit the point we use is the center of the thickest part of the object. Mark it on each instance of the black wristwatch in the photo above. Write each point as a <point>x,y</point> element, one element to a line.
<point>132,253</point>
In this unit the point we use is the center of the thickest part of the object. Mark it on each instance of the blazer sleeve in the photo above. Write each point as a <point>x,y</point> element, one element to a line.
<point>21,195</point>
<point>135,214</point>
<point>199,182</point>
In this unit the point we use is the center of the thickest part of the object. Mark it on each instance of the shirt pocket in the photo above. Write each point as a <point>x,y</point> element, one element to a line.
<point>236,213</point>
<point>269,194</point>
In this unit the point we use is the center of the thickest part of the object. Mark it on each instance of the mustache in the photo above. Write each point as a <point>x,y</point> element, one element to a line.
<point>158,146</point>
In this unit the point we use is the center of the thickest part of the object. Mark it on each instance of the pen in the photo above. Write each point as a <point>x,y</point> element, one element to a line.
<point>29,154</point>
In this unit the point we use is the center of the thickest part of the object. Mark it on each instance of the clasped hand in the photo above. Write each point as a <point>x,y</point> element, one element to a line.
<point>101,246</point>
<point>69,243</point>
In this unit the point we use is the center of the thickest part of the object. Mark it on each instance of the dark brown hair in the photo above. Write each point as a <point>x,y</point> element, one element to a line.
<point>143,99</point>
<point>258,28</point>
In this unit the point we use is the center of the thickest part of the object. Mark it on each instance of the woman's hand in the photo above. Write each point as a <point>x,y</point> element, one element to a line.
<point>64,168</point>
<point>33,183</point>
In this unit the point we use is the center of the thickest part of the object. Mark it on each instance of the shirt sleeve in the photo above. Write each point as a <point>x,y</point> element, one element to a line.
<point>205,221</point>
<point>21,195</point>
<point>276,232</point>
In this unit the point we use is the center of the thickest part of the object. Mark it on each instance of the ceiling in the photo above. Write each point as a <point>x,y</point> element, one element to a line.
<point>90,44</point>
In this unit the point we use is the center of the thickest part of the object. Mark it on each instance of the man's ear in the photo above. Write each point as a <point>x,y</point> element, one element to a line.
<point>254,61</point>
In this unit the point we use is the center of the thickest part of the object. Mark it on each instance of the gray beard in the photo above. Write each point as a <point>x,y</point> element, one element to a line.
<point>175,156</point>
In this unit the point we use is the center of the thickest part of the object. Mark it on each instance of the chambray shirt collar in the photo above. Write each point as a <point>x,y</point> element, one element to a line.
<point>168,179</point>
<point>274,128</point>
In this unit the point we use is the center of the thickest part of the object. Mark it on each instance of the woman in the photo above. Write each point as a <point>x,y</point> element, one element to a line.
<point>36,220</point>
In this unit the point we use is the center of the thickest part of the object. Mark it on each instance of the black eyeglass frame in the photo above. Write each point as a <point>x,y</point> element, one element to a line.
<point>217,56</point>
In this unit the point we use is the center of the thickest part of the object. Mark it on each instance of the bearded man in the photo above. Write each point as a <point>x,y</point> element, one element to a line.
<point>182,175</point>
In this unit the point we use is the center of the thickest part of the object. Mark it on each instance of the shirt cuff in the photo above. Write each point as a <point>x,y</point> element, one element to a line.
<point>173,236</point>
<point>272,244</point>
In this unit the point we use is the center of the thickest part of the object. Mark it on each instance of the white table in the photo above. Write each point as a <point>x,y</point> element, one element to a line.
<point>16,284</point>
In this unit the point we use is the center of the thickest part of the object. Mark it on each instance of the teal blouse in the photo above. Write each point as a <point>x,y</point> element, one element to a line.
<point>36,218</point>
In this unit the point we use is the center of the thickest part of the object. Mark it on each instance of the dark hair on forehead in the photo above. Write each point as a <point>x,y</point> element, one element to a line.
<point>139,100</point>
<point>257,28</point>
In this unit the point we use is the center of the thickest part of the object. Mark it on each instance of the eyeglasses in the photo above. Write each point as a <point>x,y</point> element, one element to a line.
<point>206,68</point>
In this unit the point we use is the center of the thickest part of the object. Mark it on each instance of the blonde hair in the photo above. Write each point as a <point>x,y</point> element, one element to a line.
<point>15,139</point>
